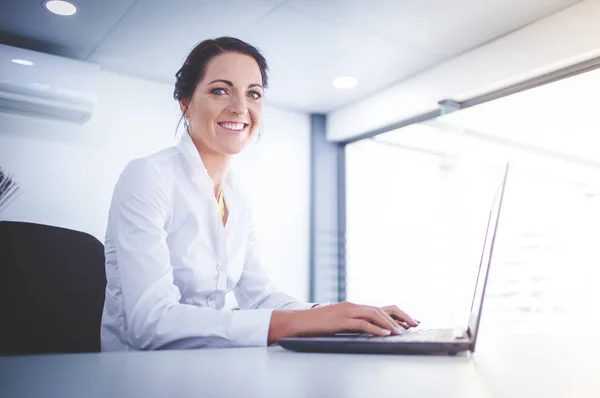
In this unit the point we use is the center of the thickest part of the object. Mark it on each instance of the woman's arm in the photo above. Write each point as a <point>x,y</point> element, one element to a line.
<point>254,290</point>
<point>154,317</point>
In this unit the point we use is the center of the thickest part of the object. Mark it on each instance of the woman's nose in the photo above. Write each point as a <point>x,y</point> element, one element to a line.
<point>238,105</point>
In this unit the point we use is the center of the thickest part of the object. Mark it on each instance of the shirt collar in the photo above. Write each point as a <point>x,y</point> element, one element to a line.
<point>197,171</point>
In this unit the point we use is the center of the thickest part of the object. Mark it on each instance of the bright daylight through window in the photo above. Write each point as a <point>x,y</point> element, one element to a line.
<point>418,200</point>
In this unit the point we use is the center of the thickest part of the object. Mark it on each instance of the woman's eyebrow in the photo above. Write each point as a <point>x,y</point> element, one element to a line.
<point>230,83</point>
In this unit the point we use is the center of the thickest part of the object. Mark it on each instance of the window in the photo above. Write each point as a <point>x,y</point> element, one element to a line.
<point>418,200</point>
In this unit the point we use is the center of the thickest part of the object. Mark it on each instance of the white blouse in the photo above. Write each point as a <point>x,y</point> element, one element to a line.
<point>170,261</point>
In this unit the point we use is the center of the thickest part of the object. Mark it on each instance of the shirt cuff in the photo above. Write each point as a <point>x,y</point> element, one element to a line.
<point>250,328</point>
<point>301,306</point>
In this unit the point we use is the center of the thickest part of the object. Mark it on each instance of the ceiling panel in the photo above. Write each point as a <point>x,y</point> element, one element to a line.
<point>305,54</point>
<point>435,26</point>
<point>154,38</point>
<point>27,24</point>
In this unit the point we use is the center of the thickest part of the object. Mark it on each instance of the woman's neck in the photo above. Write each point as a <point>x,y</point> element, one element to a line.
<point>216,164</point>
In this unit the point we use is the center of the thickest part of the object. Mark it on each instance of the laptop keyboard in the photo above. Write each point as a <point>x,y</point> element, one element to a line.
<point>409,335</point>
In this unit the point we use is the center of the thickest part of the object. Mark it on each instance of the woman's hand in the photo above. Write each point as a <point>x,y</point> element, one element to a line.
<point>400,317</point>
<point>336,318</point>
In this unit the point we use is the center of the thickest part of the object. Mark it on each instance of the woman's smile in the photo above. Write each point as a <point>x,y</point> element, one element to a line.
<point>233,127</point>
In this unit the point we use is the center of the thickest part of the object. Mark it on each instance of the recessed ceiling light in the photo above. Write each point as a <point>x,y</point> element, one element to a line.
<point>21,62</point>
<point>344,82</point>
<point>60,7</point>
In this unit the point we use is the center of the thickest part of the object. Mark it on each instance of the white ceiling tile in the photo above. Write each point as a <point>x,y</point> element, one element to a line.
<point>154,38</point>
<point>435,26</point>
<point>305,54</point>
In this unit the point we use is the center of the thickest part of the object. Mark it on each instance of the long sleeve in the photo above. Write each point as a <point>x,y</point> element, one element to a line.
<point>255,290</point>
<point>154,316</point>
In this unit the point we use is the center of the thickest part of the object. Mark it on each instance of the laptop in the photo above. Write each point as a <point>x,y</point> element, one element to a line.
<point>417,340</point>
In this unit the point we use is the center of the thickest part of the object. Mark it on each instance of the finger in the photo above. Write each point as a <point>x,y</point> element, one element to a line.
<point>367,327</point>
<point>403,324</point>
<point>378,317</point>
<point>400,315</point>
<point>388,317</point>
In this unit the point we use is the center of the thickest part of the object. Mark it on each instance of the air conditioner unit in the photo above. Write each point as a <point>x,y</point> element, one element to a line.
<point>41,85</point>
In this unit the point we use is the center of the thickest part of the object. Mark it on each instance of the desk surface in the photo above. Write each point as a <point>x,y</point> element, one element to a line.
<point>517,366</point>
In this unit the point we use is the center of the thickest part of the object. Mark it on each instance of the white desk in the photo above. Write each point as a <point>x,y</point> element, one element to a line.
<point>502,367</point>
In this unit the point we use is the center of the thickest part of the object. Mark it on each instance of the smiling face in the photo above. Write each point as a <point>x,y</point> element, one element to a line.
<point>225,110</point>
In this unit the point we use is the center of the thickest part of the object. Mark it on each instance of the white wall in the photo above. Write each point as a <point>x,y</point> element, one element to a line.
<point>563,39</point>
<point>68,171</point>
<point>276,173</point>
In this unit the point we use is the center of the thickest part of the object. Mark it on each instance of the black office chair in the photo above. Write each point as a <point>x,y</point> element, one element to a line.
<point>52,283</point>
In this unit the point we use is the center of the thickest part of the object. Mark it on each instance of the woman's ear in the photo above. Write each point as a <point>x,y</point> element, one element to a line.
<point>183,106</point>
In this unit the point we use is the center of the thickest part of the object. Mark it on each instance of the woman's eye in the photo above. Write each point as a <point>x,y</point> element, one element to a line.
<point>219,91</point>
<point>254,94</point>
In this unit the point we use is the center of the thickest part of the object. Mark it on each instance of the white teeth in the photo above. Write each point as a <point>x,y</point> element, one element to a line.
<point>233,126</point>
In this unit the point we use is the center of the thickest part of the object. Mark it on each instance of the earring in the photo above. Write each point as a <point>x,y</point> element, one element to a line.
<point>260,132</point>
<point>186,124</point>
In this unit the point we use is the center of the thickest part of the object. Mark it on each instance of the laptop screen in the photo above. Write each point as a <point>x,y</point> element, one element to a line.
<point>486,257</point>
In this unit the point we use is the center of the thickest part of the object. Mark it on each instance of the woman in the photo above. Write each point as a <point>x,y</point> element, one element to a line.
<point>180,234</point>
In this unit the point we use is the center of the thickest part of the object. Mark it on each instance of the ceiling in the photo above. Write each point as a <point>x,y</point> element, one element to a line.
<point>306,42</point>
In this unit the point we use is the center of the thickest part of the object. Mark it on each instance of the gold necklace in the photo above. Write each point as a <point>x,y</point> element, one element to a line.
<point>221,204</point>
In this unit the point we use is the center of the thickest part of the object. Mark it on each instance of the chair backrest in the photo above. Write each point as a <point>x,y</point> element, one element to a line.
<point>52,284</point>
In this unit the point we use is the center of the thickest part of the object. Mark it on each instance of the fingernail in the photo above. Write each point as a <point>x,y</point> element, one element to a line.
<point>386,332</point>
<point>399,330</point>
